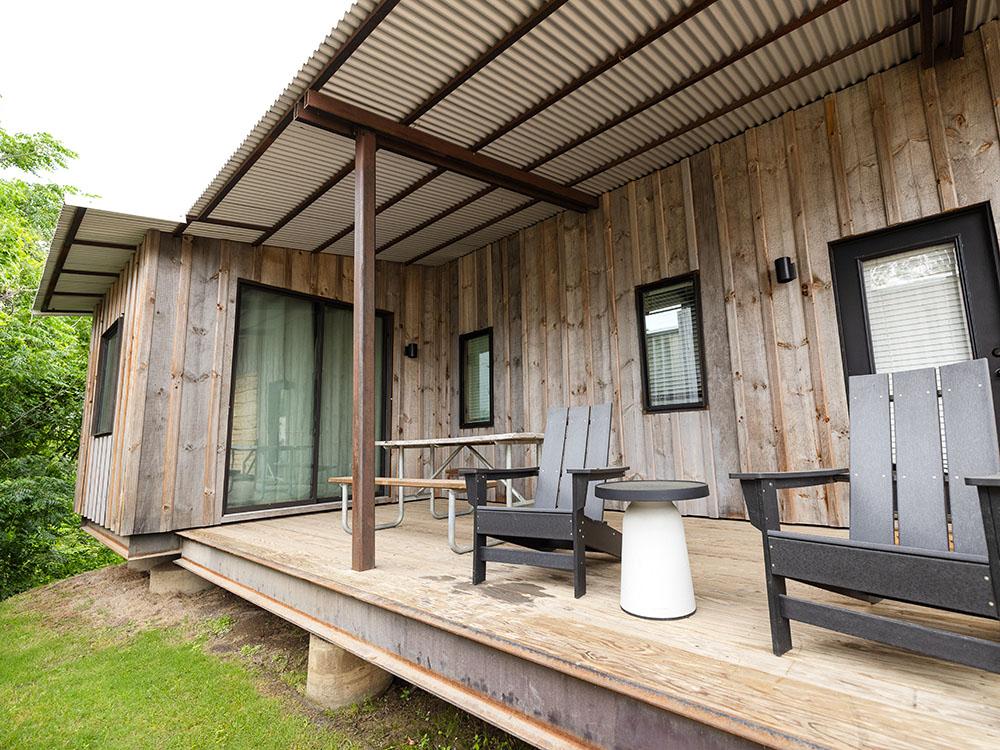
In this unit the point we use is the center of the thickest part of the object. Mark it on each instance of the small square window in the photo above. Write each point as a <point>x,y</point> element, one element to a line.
<point>475,352</point>
<point>107,380</point>
<point>670,344</point>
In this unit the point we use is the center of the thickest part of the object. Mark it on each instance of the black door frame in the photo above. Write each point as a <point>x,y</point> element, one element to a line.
<point>318,303</point>
<point>973,231</point>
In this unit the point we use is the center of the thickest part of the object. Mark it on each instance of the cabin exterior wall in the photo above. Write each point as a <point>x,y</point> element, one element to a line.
<point>559,295</point>
<point>904,144</point>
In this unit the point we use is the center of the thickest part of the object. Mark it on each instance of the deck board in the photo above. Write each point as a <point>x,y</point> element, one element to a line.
<point>716,666</point>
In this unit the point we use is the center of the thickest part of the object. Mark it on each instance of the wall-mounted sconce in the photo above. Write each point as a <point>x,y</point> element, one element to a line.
<point>410,351</point>
<point>784,270</point>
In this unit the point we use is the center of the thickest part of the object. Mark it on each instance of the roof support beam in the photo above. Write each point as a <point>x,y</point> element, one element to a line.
<point>363,456</point>
<point>99,243</point>
<point>78,213</point>
<point>604,65</point>
<point>957,43</point>
<point>227,223</point>
<point>344,118</point>
<point>342,55</point>
<point>927,33</point>
<point>488,56</point>
<point>713,115</point>
<point>503,44</point>
<point>676,88</point>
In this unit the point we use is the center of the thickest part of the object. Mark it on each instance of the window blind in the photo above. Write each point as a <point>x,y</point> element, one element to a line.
<point>476,379</point>
<point>672,344</point>
<point>916,313</point>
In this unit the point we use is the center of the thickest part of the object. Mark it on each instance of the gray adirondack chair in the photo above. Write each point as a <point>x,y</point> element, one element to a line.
<point>920,532</point>
<point>566,514</point>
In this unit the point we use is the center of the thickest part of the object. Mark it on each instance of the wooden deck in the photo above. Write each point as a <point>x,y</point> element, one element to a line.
<point>712,676</point>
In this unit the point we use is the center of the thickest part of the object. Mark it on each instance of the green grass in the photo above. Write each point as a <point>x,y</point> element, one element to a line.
<point>112,690</point>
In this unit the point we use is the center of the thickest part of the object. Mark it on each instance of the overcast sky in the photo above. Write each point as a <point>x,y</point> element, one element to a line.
<point>153,96</point>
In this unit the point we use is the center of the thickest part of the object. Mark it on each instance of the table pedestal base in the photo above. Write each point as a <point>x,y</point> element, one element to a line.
<point>656,574</point>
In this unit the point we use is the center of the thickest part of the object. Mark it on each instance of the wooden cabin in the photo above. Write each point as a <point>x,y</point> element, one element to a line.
<point>528,181</point>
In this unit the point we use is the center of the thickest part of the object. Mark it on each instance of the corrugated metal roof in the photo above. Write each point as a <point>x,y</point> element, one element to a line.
<point>118,230</point>
<point>584,137</point>
<point>422,44</point>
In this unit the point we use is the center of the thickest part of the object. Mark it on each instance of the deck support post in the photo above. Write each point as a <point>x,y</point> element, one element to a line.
<point>363,457</point>
<point>168,578</point>
<point>337,678</point>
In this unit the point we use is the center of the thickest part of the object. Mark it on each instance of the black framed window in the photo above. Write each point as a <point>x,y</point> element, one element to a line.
<point>107,380</point>
<point>291,407</point>
<point>475,353</point>
<point>670,344</point>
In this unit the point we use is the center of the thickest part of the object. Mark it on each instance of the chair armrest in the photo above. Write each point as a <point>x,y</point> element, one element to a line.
<point>993,481</point>
<point>518,473</point>
<point>789,479</point>
<point>476,479</point>
<point>594,475</point>
<point>760,491</point>
<point>583,477</point>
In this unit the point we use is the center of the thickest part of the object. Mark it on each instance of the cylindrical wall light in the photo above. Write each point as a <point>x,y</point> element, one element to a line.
<point>784,270</point>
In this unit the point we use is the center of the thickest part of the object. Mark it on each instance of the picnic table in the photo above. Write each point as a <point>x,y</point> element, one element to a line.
<point>471,443</point>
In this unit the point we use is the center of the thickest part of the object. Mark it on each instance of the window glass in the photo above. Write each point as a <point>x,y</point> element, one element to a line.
<point>476,352</point>
<point>271,444</point>
<point>292,400</point>
<point>916,314</point>
<point>336,409</point>
<point>107,380</point>
<point>670,336</point>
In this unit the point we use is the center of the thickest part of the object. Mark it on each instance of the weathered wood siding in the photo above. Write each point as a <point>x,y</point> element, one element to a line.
<point>904,144</point>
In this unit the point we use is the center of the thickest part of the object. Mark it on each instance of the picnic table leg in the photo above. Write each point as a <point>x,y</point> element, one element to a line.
<point>435,475</point>
<point>344,523</point>
<point>455,547</point>
<point>509,450</point>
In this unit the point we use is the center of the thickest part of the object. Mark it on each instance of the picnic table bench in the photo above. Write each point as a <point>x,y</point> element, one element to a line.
<point>451,486</point>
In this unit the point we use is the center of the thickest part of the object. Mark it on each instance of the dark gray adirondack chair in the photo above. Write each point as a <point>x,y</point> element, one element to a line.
<point>566,514</point>
<point>899,546</point>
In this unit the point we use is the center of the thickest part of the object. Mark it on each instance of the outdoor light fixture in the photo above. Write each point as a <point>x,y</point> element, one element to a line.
<point>410,350</point>
<point>784,269</point>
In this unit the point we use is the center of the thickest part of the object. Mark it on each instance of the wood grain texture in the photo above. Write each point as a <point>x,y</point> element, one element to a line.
<point>716,666</point>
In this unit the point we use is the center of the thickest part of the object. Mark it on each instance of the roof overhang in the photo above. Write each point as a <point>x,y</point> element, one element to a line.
<point>89,249</point>
<point>494,117</point>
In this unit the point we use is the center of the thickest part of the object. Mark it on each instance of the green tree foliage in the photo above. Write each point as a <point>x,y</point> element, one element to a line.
<point>43,363</point>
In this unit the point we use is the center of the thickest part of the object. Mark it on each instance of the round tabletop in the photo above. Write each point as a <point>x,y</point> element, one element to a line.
<point>651,490</point>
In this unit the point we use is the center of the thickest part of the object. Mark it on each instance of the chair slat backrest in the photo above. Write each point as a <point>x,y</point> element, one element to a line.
<point>971,439</point>
<point>550,465</point>
<point>871,460</point>
<point>924,491</point>
<point>598,453</point>
<point>920,504</point>
<point>575,438</point>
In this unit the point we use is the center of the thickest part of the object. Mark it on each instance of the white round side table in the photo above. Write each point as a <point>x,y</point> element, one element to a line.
<point>656,575</point>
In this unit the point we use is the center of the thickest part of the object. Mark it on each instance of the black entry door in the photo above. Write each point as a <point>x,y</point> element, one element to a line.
<point>921,294</point>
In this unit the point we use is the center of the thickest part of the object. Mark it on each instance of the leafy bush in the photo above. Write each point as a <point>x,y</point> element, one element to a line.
<point>43,363</point>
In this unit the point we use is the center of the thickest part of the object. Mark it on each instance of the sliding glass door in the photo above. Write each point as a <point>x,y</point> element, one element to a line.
<point>290,417</point>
